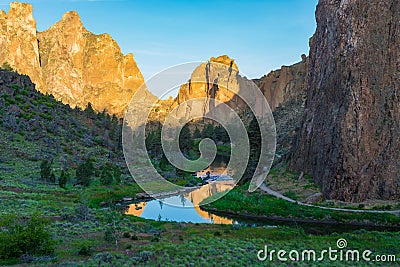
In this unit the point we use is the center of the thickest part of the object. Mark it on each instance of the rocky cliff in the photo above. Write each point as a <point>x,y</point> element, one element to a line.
<point>212,82</point>
<point>68,61</point>
<point>279,87</point>
<point>286,83</point>
<point>349,139</point>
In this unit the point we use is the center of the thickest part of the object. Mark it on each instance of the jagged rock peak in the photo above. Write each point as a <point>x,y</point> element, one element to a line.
<point>20,9</point>
<point>71,19</point>
<point>226,60</point>
<point>71,15</point>
<point>68,61</point>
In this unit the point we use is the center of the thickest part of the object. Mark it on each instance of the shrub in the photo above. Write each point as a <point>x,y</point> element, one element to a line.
<point>24,237</point>
<point>6,66</point>
<point>104,257</point>
<point>217,233</point>
<point>143,256</point>
<point>85,249</point>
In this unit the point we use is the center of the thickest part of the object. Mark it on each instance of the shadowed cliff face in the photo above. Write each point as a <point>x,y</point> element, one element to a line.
<point>73,64</point>
<point>286,83</point>
<point>350,136</point>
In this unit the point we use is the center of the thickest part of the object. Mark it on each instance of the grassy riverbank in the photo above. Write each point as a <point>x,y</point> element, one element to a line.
<point>262,205</point>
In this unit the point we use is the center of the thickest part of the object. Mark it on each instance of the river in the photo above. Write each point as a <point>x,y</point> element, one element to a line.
<point>186,208</point>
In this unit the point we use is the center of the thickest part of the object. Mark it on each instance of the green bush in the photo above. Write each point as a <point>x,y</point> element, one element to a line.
<point>85,249</point>
<point>24,237</point>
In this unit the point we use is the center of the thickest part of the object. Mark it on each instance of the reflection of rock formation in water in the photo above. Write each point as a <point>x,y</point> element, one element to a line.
<point>195,197</point>
<point>198,195</point>
<point>214,218</point>
<point>136,209</point>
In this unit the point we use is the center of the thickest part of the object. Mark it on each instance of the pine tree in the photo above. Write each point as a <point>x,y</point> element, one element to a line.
<point>45,170</point>
<point>196,133</point>
<point>52,177</point>
<point>6,66</point>
<point>254,134</point>
<point>208,132</point>
<point>62,181</point>
<point>185,139</point>
<point>84,172</point>
<point>89,111</point>
<point>106,176</point>
<point>117,174</point>
<point>221,134</point>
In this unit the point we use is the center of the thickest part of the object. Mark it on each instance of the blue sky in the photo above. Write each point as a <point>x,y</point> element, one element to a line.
<point>260,35</point>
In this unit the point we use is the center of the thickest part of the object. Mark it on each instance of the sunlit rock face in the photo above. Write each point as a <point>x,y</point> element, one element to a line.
<point>73,64</point>
<point>217,79</point>
<point>18,41</point>
<point>349,139</point>
<point>220,79</point>
<point>286,83</point>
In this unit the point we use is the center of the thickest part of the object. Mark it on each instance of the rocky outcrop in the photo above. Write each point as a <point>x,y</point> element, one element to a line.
<point>18,41</point>
<point>350,135</point>
<point>73,64</point>
<point>212,82</point>
<point>284,84</point>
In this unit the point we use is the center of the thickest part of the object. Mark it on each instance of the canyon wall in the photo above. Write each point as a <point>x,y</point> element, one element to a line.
<point>350,135</point>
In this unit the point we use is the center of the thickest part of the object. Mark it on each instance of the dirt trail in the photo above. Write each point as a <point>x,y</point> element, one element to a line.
<point>269,191</point>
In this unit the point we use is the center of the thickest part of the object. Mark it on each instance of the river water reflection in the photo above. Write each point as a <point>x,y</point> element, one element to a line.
<point>185,208</point>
